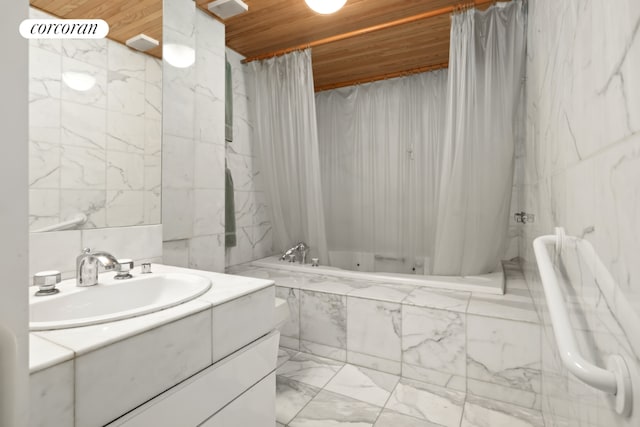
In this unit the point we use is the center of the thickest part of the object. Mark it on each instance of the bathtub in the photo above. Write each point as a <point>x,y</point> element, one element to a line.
<point>492,283</point>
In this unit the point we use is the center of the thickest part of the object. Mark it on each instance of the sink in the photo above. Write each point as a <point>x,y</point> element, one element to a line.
<point>112,299</point>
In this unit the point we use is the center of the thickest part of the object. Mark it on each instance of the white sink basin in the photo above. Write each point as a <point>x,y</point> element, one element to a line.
<point>112,299</point>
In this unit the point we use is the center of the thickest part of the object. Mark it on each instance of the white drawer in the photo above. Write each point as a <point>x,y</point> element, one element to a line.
<point>196,399</point>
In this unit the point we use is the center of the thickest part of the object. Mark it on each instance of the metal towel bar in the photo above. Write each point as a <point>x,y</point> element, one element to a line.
<point>615,379</point>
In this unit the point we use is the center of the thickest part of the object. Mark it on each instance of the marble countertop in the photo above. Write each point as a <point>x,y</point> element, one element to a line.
<point>49,348</point>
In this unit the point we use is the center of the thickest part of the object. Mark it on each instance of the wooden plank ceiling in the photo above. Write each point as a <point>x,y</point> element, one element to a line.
<point>272,25</point>
<point>126,18</point>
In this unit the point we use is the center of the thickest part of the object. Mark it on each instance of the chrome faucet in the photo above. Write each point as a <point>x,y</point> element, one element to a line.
<point>300,249</point>
<point>88,263</point>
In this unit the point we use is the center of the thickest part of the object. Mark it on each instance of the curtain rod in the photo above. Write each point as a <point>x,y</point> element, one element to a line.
<point>366,30</point>
<point>383,77</point>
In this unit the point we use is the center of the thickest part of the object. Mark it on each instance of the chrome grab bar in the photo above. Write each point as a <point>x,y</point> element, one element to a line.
<point>615,379</point>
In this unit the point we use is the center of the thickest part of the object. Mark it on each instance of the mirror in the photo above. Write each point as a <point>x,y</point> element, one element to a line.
<point>95,130</point>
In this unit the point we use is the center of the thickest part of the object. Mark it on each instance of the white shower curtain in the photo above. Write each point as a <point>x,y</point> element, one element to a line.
<point>286,134</point>
<point>379,156</point>
<point>485,73</point>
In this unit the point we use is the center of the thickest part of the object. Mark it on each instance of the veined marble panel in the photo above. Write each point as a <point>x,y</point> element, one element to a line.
<point>434,339</point>
<point>374,328</point>
<point>323,321</point>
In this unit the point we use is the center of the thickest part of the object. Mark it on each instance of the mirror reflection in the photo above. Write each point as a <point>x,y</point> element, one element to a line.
<point>95,110</point>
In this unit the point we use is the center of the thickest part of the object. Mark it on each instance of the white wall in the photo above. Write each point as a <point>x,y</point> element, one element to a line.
<point>193,141</point>
<point>253,225</point>
<point>581,170</point>
<point>14,214</point>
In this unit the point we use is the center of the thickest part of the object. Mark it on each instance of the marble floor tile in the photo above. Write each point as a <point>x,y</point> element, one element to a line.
<point>432,403</point>
<point>291,397</point>
<point>309,369</point>
<point>330,409</point>
<point>488,413</point>
<point>395,419</point>
<point>363,384</point>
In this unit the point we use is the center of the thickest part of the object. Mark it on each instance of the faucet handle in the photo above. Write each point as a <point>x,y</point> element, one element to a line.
<point>47,281</point>
<point>125,267</point>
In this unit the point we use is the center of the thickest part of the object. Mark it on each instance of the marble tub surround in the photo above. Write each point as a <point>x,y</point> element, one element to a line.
<point>97,151</point>
<point>354,395</point>
<point>481,344</point>
<point>57,250</point>
<point>119,361</point>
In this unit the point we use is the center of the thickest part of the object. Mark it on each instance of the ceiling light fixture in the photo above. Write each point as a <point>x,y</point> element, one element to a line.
<point>325,7</point>
<point>178,55</point>
<point>78,81</point>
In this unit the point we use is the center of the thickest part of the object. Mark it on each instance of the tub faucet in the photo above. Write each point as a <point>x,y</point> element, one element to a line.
<point>88,263</point>
<point>298,251</point>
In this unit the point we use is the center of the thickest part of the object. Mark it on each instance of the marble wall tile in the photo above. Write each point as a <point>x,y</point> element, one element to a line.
<point>125,171</point>
<point>44,208</point>
<point>206,253</point>
<point>176,253</point>
<point>44,165</point>
<point>262,241</point>
<point>323,324</point>
<point>82,125</point>
<point>209,166</point>
<point>126,94</point>
<point>208,212</point>
<point>177,216</point>
<point>55,250</point>
<point>126,61</point>
<point>178,160</point>
<point>179,349</point>
<point>82,168</point>
<point>125,132</point>
<point>44,120</point>
<point>374,330</point>
<point>137,243</point>
<point>504,352</point>
<point>246,248</point>
<point>45,74</point>
<point>51,396</point>
<point>433,343</point>
<point>91,202</point>
<point>580,163</point>
<point>90,51</point>
<point>125,208</point>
